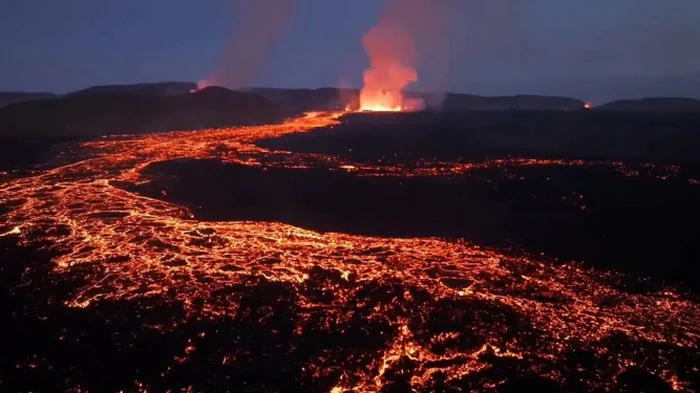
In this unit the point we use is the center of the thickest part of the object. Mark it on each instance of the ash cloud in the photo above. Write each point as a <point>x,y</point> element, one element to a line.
<point>258,25</point>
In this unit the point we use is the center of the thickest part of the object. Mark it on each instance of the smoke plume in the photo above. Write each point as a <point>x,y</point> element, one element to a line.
<point>392,60</point>
<point>410,34</point>
<point>259,25</point>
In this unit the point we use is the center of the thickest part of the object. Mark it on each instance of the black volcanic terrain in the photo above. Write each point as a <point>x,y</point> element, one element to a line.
<point>478,135</point>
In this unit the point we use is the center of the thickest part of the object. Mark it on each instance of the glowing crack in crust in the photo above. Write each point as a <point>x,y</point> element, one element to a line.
<point>136,247</point>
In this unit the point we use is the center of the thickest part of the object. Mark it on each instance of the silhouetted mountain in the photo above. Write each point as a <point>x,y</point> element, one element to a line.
<point>604,89</point>
<point>10,97</point>
<point>105,114</point>
<point>654,104</point>
<point>159,89</point>
<point>323,99</point>
<point>466,102</point>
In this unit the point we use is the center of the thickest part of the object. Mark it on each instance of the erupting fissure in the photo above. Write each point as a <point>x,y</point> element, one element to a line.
<point>392,55</point>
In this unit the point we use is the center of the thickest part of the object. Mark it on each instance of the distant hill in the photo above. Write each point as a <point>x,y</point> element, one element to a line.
<point>609,88</point>
<point>159,89</point>
<point>654,104</point>
<point>123,113</point>
<point>10,97</point>
<point>323,99</point>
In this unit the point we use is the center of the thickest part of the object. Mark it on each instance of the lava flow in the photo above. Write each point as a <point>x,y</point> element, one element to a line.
<point>437,313</point>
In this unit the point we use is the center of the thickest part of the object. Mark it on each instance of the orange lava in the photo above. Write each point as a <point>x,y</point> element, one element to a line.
<point>134,247</point>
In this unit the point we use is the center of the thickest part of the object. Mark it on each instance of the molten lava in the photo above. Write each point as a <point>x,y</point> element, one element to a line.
<point>128,247</point>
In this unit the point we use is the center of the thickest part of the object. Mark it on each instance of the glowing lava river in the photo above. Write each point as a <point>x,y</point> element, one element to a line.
<point>362,314</point>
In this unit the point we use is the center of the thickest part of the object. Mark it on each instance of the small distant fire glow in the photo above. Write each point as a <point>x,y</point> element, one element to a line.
<point>587,105</point>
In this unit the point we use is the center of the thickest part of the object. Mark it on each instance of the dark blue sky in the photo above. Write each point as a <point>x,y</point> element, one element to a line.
<point>595,49</point>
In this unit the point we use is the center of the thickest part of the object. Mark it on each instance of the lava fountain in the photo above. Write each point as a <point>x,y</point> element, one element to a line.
<point>392,54</point>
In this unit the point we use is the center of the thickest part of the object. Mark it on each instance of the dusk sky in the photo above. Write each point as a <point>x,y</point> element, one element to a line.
<point>597,49</point>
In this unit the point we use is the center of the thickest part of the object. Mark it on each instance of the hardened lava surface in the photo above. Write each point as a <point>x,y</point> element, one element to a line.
<point>271,307</point>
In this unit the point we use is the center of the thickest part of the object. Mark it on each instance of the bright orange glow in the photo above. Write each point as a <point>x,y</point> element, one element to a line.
<point>391,51</point>
<point>587,105</point>
<point>131,247</point>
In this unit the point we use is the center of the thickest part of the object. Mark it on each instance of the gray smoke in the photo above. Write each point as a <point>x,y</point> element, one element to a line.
<point>445,31</point>
<point>258,26</point>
